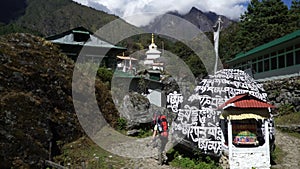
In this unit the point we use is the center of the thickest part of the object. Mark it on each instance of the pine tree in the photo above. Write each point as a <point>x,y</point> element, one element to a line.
<point>294,15</point>
<point>264,21</point>
<point>295,7</point>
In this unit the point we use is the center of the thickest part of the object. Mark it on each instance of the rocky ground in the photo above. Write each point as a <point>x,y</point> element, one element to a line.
<point>289,144</point>
<point>141,152</point>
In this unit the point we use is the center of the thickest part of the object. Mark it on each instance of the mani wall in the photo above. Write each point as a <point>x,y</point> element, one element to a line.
<point>197,116</point>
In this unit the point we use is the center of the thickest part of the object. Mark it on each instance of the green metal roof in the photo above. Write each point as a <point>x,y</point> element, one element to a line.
<point>79,31</point>
<point>268,45</point>
<point>94,40</point>
<point>119,73</point>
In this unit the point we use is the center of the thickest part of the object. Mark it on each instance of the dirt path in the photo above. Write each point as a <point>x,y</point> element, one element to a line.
<point>140,154</point>
<point>126,147</point>
<point>291,146</point>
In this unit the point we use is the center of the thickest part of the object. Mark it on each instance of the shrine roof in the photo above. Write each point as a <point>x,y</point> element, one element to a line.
<point>245,101</point>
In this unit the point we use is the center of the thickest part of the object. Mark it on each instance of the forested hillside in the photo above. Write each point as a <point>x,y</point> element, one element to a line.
<point>45,18</point>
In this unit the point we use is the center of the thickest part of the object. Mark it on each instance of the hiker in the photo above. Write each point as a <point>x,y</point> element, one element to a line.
<point>161,129</point>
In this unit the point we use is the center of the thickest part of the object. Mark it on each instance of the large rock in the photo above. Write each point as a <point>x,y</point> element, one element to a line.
<point>137,110</point>
<point>36,101</point>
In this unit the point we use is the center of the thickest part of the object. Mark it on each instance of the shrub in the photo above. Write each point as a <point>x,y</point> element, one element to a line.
<point>144,133</point>
<point>121,123</point>
<point>105,75</point>
<point>195,161</point>
<point>286,109</point>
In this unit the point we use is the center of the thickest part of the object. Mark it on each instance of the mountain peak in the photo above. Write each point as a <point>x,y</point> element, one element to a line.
<point>195,10</point>
<point>203,20</point>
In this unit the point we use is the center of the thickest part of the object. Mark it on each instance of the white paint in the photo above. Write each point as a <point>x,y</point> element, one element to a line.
<point>201,123</point>
<point>174,99</point>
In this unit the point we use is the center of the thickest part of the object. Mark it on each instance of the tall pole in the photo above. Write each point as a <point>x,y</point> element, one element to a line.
<point>163,48</point>
<point>216,41</point>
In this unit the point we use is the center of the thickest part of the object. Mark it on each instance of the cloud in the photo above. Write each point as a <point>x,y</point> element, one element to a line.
<point>124,8</point>
<point>98,6</point>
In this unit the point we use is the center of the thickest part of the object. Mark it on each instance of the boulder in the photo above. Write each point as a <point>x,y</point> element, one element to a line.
<point>135,110</point>
<point>138,111</point>
<point>36,101</point>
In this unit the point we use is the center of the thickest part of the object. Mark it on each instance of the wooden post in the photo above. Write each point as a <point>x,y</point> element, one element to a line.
<point>83,165</point>
<point>97,162</point>
<point>50,150</point>
<point>55,165</point>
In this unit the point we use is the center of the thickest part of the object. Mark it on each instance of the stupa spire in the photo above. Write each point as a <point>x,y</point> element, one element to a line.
<point>152,40</point>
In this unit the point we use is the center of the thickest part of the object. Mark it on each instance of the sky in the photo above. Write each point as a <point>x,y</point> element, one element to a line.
<point>127,9</point>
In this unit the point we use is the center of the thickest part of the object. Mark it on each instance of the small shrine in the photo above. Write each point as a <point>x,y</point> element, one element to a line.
<point>245,123</point>
<point>126,63</point>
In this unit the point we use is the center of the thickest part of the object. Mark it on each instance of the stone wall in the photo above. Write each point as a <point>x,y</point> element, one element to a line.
<point>284,92</point>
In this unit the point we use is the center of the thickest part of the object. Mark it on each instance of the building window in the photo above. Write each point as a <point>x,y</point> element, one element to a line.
<point>254,67</point>
<point>274,63</point>
<point>260,66</point>
<point>267,65</point>
<point>281,51</point>
<point>289,59</point>
<point>298,57</point>
<point>290,48</point>
<point>281,61</point>
<point>297,46</point>
<point>273,54</point>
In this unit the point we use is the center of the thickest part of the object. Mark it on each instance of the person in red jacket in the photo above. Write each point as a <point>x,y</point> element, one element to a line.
<point>161,129</point>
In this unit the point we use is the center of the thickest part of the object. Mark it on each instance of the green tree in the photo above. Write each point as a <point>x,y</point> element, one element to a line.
<point>294,14</point>
<point>264,21</point>
<point>229,45</point>
<point>295,7</point>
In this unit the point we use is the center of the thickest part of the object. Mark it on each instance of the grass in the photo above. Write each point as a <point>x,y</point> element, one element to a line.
<point>289,119</point>
<point>85,150</point>
<point>292,118</point>
<point>185,160</point>
<point>277,155</point>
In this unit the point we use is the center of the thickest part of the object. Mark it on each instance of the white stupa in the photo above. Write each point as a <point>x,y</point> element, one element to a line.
<point>152,53</point>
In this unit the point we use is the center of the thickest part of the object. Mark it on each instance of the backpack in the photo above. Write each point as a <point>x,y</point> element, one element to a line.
<point>162,125</point>
<point>155,118</point>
